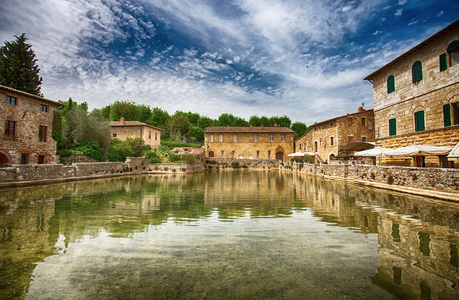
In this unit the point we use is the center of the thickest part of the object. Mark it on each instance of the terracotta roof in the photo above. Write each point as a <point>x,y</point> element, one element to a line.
<point>130,123</point>
<point>450,27</point>
<point>249,129</point>
<point>11,90</point>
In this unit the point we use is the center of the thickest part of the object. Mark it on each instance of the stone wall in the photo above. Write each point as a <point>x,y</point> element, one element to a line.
<point>223,163</point>
<point>439,179</point>
<point>15,174</point>
<point>28,113</point>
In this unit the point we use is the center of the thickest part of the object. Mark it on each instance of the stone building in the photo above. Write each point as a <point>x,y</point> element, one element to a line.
<point>249,142</point>
<point>416,98</point>
<point>26,128</point>
<point>123,130</point>
<point>326,138</point>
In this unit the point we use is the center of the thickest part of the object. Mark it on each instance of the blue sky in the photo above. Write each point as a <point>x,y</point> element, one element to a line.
<point>302,58</point>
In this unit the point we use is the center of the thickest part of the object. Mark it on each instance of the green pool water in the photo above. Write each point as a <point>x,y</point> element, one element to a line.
<point>225,235</point>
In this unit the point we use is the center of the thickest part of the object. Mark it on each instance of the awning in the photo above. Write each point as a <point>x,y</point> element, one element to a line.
<point>357,146</point>
<point>301,154</point>
<point>377,151</point>
<point>415,150</point>
<point>454,154</point>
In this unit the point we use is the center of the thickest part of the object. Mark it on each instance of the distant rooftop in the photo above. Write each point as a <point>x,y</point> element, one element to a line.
<point>123,123</point>
<point>250,129</point>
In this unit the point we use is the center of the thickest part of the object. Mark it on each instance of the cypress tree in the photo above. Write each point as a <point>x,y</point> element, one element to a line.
<point>18,66</point>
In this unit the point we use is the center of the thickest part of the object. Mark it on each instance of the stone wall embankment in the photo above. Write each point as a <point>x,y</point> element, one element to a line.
<point>34,174</point>
<point>223,163</point>
<point>435,179</point>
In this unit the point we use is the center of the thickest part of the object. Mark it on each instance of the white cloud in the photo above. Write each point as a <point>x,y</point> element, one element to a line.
<point>399,12</point>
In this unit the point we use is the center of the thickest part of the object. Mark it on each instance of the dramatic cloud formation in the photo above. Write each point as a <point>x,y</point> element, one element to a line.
<point>305,59</point>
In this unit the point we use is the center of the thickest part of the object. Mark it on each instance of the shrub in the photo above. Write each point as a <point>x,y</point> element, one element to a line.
<point>189,159</point>
<point>152,157</point>
<point>66,153</point>
<point>118,151</point>
<point>235,165</point>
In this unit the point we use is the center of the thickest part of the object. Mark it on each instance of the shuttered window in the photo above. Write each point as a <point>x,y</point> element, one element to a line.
<point>390,84</point>
<point>447,115</point>
<point>443,62</point>
<point>417,71</point>
<point>453,52</point>
<point>393,127</point>
<point>419,124</point>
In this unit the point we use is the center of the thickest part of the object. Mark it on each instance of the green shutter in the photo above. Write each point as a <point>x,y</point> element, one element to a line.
<point>419,121</point>
<point>443,62</point>
<point>447,115</point>
<point>417,71</point>
<point>393,127</point>
<point>390,84</point>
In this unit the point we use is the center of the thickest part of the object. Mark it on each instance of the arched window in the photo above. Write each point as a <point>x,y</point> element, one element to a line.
<point>453,53</point>
<point>416,71</point>
<point>390,84</point>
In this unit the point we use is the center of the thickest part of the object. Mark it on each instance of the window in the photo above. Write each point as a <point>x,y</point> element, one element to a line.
<point>390,84</point>
<point>156,136</point>
<point>10,128</point>
<point>11,100</point>
<point>455,109</point>
<point>299,145</point>
<point>453,53</point>
<point>271,138</point>
<point>331,141</point>
<point>443,62</point>
<point>258,154</point>
<point>364,139</point>
<point>41,159</point>
<point>255,138</point>
<point>232,154</point>
<point>43,108</point>
<point>283,138</point>
<point>392,127</point>
<point>24,158</point>
<point>42,133</point>
<point>419,124</point>
<point>447,115</point>
<point>220,138</point>
<point>269,153</point>
<point>350,139</point>
<point>211,138</point>
<point>115,134</point>
<point>222,153</point>
<point>149,134</point>
<point>363,121</point>
<point>234,138</point>
<point>416,71</point>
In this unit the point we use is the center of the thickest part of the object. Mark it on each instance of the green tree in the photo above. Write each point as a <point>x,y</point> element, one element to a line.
<point>180,124</point>
<point>18,66</point>
<point>197,134</point>
<point>206,122</point>
<point>159,118</point>
<point>299,128</point>
<point>126,109</point>
<point>144,113</point>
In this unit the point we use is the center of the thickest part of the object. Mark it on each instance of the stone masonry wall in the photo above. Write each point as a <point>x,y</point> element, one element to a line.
<point>439,179</point>
<point>40,173</point>
<point>222,163</point>
<point>28,117</point>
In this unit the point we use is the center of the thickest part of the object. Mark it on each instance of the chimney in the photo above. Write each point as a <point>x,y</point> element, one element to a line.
<point>275,125</point>
<point>361,109</point>
<point>227,127</point>
<point>251,125</point>
<point>262,127</point>
<point>122,121</point>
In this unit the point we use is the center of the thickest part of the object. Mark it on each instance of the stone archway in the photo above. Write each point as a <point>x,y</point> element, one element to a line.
<point>280,153</point>
<point>211,154</point>
<point>3,159</point>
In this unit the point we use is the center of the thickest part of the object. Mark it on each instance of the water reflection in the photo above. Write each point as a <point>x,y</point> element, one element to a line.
<point>283,235</point>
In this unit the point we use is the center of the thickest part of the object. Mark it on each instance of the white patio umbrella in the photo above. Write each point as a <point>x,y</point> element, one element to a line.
<point>414,150</point>
<point>377,151</point>
<point>301,154</point>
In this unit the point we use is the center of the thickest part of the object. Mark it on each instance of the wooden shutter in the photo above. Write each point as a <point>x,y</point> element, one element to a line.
<point>419,121</point>
<point>447,115</point>
<point>390,84</point>
<point>443,62</point>
<point>417,71</point>
<point>393,127</point>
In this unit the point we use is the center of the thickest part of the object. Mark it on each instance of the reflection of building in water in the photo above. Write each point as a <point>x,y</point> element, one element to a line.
<point>26,237</point>
<point>265,192</point>
<point>417,260</point>
<point>334,202</point>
